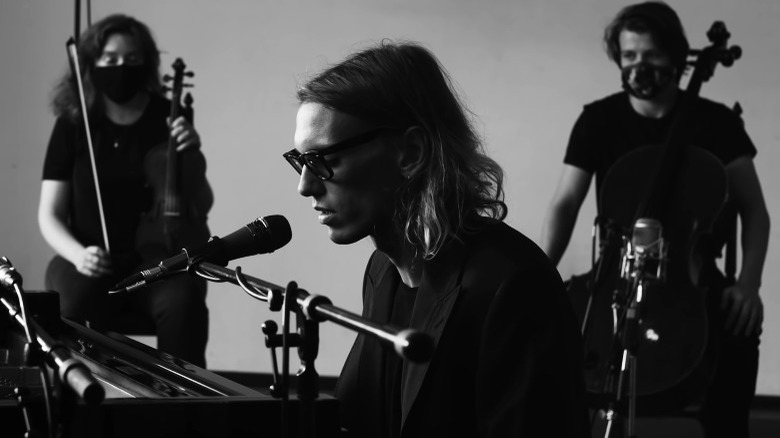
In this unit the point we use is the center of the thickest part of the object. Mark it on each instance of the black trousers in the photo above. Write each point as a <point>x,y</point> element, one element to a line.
<point>728,398</point>
<point>177,305</point>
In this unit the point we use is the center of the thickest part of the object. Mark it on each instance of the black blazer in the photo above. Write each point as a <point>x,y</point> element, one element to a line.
<point>507,359</point>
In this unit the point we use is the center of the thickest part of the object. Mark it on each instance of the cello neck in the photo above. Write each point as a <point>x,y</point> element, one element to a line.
<point>703,68</point>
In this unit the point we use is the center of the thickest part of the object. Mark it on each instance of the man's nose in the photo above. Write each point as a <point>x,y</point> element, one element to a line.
<point>309,184</point>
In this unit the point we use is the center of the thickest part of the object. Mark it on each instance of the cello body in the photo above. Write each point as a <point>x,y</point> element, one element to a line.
<point>673,342</point>
<point>655,328</point>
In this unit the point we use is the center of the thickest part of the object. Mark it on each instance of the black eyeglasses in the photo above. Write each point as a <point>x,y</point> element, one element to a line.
<point>315,160</point>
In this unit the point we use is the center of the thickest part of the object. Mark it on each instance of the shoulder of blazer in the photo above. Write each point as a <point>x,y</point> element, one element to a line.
<point>377,265</point>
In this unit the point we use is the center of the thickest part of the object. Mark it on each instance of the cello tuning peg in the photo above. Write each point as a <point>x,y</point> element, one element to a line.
<point>187,85</point>
<point>189,74</point>
<point>728,56</point>
<point>718,33</point>
<point>735,52</point>
<point>167,78</point>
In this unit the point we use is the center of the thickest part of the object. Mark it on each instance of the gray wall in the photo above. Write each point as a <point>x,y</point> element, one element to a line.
<point>524,67</point>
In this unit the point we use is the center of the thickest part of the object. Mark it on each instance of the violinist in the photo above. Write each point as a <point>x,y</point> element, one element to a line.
<point>648,44</point>
<point>128,116</point>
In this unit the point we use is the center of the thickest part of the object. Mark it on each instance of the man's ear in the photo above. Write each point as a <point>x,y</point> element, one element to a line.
<point>413,151</point>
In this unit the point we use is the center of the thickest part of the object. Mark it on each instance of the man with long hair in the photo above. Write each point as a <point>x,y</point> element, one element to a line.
<point>385,149</point>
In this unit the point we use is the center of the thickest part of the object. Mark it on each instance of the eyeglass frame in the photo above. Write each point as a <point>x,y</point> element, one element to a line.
<point>298,160</point>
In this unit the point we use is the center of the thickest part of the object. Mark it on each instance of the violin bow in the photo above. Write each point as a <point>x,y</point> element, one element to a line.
<point>74,65</point>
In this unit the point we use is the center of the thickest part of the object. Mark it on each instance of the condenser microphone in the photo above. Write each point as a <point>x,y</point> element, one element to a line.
<point>9,276</point>
<point>261,236</point>
<point>646,236</point>
<point>648,246</point>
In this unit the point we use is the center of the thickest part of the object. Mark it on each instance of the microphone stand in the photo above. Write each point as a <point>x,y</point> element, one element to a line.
<point>40,348</point>
<point>628,362</point>
<point>636,266</point>
<point>310,310</point>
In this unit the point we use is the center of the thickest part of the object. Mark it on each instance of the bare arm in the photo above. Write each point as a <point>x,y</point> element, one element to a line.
<point>563,210</point>
<point>53,214</point>
<point>745,310</point>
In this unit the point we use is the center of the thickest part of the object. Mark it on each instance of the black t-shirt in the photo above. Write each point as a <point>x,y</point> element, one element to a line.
<point>609,128</point>
<point>119,156</point>
<point>403,304</point>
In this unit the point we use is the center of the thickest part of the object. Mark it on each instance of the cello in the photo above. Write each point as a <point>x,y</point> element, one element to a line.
<point>175,218</point>
<point>683,188</point>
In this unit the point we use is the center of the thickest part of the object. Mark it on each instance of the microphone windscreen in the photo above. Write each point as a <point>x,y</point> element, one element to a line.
<point>261,236</point>
<point>646,233</point>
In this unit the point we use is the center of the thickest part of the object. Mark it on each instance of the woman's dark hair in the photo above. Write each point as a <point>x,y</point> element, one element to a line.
<point>65,98</point>
<point>403,85</point>
<point>657,19</point>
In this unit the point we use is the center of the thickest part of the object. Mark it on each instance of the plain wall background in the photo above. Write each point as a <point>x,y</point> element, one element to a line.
<point>525,68</point>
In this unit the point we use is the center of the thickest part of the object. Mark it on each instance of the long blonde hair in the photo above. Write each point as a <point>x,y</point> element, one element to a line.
<point>404,85</point>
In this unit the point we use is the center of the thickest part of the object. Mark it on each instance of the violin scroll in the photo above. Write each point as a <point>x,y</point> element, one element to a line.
<point>179,73</point>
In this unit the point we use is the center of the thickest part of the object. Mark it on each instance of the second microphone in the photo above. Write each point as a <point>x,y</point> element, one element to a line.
<point>261,236</point>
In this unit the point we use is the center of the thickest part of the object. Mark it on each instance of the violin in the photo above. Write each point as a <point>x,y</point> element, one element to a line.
<point>684,188</point>
<point>176,218</point>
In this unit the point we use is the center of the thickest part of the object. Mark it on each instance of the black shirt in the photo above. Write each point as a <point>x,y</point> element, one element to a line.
<point>119,156</point>
<point>403,304</point>
<point>609,128</point>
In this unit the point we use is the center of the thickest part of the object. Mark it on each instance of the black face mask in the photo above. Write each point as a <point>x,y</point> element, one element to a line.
<point>119,83</point>
<point>646,81</point>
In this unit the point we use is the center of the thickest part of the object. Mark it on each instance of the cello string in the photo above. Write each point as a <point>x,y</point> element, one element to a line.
<point>75,64</point>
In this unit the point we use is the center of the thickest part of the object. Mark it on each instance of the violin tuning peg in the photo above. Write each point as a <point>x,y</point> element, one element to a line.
<point>189,74</point>
<point>167,78</point>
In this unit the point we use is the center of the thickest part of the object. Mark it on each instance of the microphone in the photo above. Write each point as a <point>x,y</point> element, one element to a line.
<point>261,236</point>
<point>75,374</point>
<point>648,247</point>
<point>9,276</point>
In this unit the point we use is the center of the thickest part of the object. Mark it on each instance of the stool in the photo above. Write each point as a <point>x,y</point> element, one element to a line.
<point>140,328</point>
<point>130,324</point>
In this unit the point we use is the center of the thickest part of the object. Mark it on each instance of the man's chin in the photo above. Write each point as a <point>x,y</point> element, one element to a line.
<point>342,237</point>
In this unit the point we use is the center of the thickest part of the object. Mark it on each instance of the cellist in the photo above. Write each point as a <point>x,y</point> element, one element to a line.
<point>128,113</point>
<point>647,42</point>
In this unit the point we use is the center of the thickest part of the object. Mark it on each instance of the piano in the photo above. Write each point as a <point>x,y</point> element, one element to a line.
<point>148,393</point>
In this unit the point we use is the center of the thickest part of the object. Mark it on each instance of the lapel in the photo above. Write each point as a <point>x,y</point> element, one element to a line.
<point>436,296</point>
<point>380,288</point>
